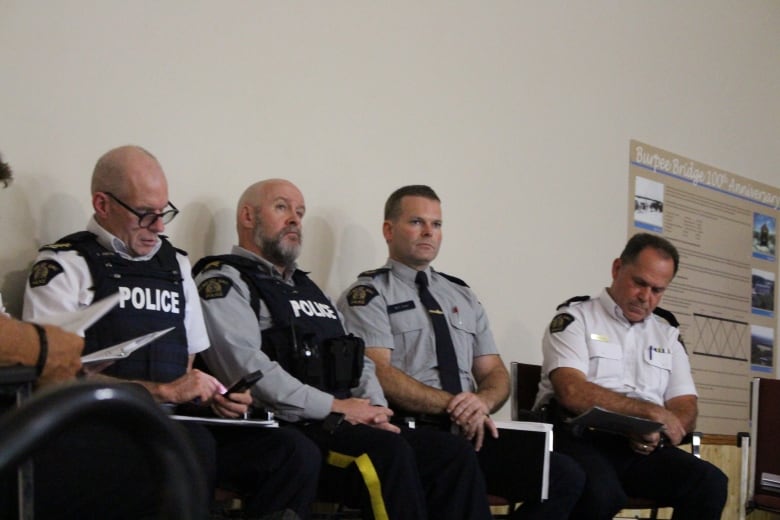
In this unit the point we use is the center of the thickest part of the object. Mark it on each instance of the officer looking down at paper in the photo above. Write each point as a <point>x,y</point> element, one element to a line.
<point>436,357</point>
<point>263,312</point>
<point>123,250</point>
<point>614,352</point>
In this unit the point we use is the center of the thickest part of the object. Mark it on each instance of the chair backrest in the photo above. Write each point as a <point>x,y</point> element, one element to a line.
<point>525,384</point>
<point>765,423</point>
<point>41,418</point>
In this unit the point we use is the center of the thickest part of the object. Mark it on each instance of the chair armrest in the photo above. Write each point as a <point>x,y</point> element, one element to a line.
<point>696,444</point>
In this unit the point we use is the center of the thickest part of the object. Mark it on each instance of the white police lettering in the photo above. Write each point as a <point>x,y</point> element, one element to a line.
<point>149,299</point>
<point>310,308</point>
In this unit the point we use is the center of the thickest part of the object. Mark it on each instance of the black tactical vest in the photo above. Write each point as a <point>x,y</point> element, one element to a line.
<point>152,298</point>
<point>307,338</point>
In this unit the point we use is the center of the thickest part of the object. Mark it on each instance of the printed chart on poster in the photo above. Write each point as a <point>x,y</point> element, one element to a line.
<point>725,228</point>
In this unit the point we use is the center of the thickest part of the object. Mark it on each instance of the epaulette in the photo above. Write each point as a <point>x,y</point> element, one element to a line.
<point>180,251</point>
<point>68,242</point>
<point>217,261</point>
<point>208,266</point>
<point>372,273</point>
<point>575,299</point>
<point>668,316</point>
<point>672,320</point>
<point>453,279</point>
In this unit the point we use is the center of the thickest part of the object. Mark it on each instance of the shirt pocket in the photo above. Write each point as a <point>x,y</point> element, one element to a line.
<point>605,363</point>
<point>656,369</point>
<point>463,325</point>
<point>410,342</point>
<point>463,321</point>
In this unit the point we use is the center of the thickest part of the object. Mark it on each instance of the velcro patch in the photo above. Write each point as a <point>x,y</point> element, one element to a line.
<point>43,272</point>
<point>213,288</point>
<point>560,322</point>
<point>360,295</point>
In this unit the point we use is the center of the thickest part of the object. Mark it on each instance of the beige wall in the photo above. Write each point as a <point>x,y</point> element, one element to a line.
<point>518,113</point>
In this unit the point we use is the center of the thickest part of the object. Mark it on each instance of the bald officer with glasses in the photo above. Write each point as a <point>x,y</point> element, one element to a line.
<point>122,250</point>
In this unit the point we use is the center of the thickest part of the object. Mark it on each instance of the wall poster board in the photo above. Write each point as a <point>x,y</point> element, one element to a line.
<point>724,294</point>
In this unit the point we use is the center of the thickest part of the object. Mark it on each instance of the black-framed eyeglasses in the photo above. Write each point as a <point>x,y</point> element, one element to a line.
<point>150,217</point>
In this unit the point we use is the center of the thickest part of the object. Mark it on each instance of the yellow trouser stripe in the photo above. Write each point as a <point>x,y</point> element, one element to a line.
<point>370,477</point>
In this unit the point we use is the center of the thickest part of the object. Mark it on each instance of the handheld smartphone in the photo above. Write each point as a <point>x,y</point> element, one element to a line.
<point>245,382</point>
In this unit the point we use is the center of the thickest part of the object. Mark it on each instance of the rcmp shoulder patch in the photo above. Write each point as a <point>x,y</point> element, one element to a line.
<point>43,272</point>
<point>213,288</point>
<point>360,295</point>
<point>560,322</point>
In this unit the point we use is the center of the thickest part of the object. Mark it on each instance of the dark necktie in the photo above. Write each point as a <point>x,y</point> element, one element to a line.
<point>445,351</point>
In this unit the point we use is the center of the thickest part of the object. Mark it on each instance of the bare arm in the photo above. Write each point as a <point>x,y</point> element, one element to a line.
<point>404,391</point>
<point>685,408</point>
<point>19,343</point>
<point>577,395</point>
<point>492,381</point>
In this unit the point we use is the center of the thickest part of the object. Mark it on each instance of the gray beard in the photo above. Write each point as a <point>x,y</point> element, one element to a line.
<point>274,251</point>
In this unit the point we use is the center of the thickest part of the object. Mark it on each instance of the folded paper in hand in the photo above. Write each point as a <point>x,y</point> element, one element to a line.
<point>600,419</point>
<point>124,349</point>
<point>78,321</point>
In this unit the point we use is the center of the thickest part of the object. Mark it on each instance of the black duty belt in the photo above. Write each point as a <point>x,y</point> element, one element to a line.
<point>422,420</point>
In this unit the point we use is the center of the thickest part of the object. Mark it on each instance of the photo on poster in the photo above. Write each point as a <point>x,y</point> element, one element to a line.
<point>761,348</point>
<point>762,297</point>
<point>648,204</point>
<point>764,236</point>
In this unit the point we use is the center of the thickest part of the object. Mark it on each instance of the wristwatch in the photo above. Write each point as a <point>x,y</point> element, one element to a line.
<point>333,421</point>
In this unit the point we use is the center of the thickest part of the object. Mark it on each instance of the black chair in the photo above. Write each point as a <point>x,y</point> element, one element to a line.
<point>764,477</point>
<point>525,385</point>
<point>33,425</point>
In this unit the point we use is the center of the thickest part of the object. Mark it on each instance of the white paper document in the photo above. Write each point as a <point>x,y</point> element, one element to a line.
<point>124,349</point>
<point>78,321</point>
<point>256,423</point>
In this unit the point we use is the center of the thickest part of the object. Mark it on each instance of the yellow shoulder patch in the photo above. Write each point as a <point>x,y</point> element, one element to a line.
<point>213,288</point>
<point>43,272</point>
<point>360,295</point>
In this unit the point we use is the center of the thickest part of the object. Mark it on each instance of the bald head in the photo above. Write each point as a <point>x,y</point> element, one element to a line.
<point>128,181</point>
<point>268,221</point>
<point>120,166</point>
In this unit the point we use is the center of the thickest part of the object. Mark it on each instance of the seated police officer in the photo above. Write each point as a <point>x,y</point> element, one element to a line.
<point>621,352</point>
<point>436,358</point>
<point>123,251</point>
<point>263,313</point>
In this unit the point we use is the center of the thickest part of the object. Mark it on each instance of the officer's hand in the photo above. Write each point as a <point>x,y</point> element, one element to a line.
<point>382,422</point>
<point>192,385</point>
<point>64,359</point>
<point>466,408</point>
<point>645,444</point>
<point>673,428</point>
<point>361,411</point>
<point>476,428</point>
<point>231,406</point>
